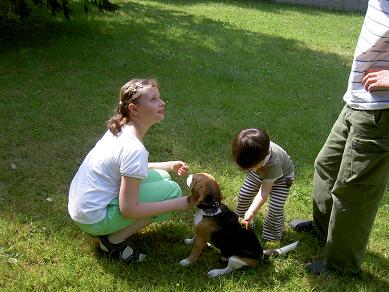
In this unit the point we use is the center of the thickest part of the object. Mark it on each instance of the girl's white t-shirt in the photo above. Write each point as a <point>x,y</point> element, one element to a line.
<point>97,181</point>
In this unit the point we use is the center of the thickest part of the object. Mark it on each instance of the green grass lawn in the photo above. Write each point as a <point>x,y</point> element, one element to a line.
<point>222,66</point>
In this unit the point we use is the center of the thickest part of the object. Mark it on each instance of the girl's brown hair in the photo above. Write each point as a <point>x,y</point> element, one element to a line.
<point>250,147</point>
<point>129,93</point>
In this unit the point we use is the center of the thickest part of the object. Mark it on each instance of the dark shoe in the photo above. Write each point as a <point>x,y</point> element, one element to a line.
<point>317,268</point>
<point>116,251</point>
<point>320,268</point>
<point>300,225</point>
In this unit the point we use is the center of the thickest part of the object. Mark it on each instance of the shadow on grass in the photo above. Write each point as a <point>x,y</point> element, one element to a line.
<point>312,248</point>
<point>70,79</point>
<point>165,248</point>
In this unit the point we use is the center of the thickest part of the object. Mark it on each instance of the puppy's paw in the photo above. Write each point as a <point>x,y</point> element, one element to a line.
<point>216,273</point>
<point>185,262</point>
<point>189,241</point>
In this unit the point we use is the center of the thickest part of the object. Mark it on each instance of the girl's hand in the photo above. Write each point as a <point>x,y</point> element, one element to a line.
<point>180,167</point>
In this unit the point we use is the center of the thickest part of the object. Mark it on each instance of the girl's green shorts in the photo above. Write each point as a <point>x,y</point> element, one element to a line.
<point>157,187</point>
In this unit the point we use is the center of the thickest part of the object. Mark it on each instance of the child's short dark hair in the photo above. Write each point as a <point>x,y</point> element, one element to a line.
<point>250,147</point>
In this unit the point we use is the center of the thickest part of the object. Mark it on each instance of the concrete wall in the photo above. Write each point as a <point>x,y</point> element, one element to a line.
<point>358,5</point>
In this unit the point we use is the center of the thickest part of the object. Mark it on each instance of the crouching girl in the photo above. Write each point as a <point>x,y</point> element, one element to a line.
<point>116,191</point>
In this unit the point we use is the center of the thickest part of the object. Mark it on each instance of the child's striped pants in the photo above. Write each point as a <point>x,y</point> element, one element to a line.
<point>274,222</point>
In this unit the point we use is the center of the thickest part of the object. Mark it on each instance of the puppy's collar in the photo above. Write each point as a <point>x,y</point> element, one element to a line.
<point>211,209</point>
<point>210,212</point>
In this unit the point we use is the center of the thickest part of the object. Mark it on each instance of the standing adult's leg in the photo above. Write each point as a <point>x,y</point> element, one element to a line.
<point>358,189</point>
<point>326,170</point>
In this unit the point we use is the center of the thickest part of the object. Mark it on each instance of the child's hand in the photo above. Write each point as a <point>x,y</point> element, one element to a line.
<point>180,167</point>
<point>249,216</point>
<point>244,223</point>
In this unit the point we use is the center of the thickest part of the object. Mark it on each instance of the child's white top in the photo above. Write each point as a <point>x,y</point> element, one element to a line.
<point>372,50</point>
<point>98,179</point>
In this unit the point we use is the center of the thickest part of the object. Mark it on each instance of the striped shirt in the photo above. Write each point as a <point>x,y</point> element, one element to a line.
<point>372,51</point>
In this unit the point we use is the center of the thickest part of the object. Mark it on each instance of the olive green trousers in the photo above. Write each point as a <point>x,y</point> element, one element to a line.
<point>351,174</point>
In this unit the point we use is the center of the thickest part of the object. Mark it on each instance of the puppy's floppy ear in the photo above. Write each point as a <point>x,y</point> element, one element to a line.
<point>217,190</point>
<point>214,193</point>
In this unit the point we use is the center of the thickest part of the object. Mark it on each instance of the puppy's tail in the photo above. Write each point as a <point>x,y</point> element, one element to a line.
<point>280,251</point>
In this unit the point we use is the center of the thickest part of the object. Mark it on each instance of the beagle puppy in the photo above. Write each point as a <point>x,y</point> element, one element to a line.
<point>217,225</point>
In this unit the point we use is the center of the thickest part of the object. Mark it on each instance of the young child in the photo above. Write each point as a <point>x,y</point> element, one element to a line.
<point>114,194</point>
<point>270,171</point>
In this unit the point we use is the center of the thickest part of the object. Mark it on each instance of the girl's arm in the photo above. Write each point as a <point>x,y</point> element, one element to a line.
<point>177,166</point>
<point>130,207</point>
<point>258,201</point>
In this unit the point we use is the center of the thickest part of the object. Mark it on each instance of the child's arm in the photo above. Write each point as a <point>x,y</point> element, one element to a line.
<point>258,201</point>
<point>130,207</point>
<point>177,166</point>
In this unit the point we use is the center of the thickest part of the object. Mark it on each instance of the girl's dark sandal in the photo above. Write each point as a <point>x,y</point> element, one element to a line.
<point>115,251</point>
